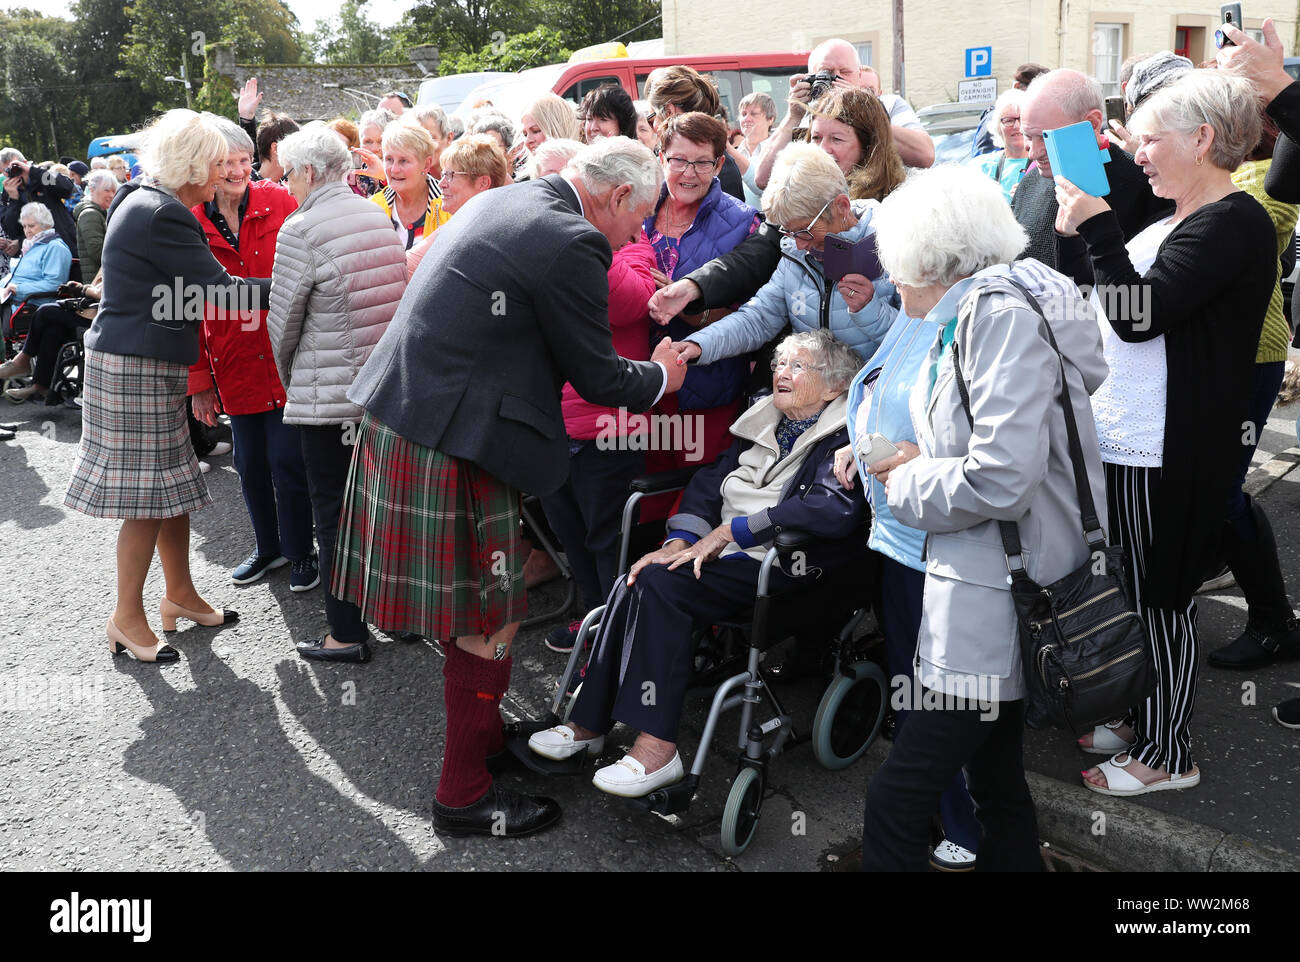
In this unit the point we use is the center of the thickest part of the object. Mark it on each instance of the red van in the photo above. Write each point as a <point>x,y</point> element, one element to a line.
<point>737,74</point>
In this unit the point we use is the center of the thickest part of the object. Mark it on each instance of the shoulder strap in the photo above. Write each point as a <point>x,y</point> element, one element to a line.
<point>1092,530</point>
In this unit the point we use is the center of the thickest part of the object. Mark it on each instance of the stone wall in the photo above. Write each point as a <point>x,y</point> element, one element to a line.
<point>321,91</point>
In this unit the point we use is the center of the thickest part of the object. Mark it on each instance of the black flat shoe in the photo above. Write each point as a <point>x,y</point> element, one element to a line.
<point>1255,648</point>
<point>500,812</point>
<point>315,650</point>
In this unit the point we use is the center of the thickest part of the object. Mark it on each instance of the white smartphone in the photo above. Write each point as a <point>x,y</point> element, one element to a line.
<point>873,448</point>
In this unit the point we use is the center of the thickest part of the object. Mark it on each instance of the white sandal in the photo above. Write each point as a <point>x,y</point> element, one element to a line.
<point>1105,741</point>
<point>1121,783</point>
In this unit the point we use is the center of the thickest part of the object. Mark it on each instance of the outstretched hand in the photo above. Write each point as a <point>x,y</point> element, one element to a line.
<point>249,99</point>
<point>673,363</point>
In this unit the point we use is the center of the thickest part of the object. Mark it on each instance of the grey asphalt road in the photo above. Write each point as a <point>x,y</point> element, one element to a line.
<point>244,757</point>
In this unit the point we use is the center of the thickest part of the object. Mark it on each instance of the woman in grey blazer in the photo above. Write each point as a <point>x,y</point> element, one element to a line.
<point>946,237</point>
<point>136,461</point>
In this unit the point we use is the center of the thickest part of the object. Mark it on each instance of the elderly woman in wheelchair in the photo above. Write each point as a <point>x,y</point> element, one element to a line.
<point>778,475</point>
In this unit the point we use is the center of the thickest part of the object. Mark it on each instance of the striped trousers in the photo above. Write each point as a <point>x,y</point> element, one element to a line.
<point>1163,722</point>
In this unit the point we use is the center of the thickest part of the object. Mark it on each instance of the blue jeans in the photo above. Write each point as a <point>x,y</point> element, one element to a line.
<point>268,457</point>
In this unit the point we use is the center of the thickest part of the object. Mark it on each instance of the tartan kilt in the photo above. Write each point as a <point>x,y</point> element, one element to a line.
<point>136,459</point>
<point>427,543</point>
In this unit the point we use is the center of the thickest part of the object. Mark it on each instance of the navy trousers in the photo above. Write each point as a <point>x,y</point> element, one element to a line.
<point>268,457</point>
<point>327,460</point>
<point>640,666</point>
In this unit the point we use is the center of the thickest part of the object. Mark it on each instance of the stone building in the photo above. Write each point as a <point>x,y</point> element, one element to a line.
<point>1095,36</point>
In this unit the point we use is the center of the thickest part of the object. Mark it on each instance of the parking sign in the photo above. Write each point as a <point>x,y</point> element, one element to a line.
<point>979,61</point>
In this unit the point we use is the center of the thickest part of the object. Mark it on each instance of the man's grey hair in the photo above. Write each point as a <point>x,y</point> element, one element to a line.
<point>502,124</point>
<point>553,154</point>
<point>98,179</point>
<point>39,213</point>
<point>236,138</point>
<point>98,163</point>
<point>318,147</point>
<point>613,161</point>
<point>455,126</point>
<point>9,154</point>
<point>835,361</point>
<point>944,224</point>
<point>1075,93</point>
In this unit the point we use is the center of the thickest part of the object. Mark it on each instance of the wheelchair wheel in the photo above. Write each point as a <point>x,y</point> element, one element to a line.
<point>740,814</point>
<point>849,716</point>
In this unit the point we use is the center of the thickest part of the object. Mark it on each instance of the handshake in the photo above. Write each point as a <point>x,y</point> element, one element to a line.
<point>674,355</point>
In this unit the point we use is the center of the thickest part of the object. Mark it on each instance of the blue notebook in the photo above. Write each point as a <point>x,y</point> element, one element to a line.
<point>1073,153</point>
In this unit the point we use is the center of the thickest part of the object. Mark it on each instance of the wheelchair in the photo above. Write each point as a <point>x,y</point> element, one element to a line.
<point>69,369</point>
<point>849,715</point>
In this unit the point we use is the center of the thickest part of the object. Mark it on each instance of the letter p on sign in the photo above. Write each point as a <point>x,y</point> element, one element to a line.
<point>979,61</point>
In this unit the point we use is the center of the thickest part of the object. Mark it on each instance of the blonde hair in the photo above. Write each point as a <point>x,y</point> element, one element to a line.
<point>477,155</point>
<point>555,116</point>
<point>804,180</point>
<point>411,138</point>
<point>180,148</point>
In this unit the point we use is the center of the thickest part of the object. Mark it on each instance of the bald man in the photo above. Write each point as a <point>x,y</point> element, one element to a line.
<point>1056,99</point>
<point>841,58</point>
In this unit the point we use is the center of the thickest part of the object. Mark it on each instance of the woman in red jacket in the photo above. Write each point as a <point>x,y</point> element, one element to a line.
<point>236,373</point>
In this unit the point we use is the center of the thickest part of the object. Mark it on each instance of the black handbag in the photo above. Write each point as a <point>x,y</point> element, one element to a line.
<point>1085,651</point>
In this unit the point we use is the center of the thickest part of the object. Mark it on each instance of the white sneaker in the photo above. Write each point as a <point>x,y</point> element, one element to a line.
<point>204,467</point>
<point>627,777</point>
<point>220,448</point>
<point>951,857</point>
<point>559,743</point>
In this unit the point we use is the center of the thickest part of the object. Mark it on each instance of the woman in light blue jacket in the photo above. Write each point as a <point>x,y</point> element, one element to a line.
<point>808,197</point>
<point>46,260</point>
<point>878,405</point>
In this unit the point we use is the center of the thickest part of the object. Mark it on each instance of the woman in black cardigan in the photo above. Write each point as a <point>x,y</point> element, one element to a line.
<point>1185,301</point>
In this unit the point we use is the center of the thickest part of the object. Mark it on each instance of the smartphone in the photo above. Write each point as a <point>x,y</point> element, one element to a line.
<point>1073,153</point>
<point>1228,13</point>
<point>840,257</point>
<point>874,448</point>
<point>1114,110</point>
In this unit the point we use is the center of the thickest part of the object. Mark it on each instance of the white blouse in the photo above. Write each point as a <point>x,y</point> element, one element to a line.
<point>1129,407</point>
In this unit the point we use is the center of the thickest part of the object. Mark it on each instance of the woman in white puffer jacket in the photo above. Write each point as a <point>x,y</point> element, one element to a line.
<point>339,274</point>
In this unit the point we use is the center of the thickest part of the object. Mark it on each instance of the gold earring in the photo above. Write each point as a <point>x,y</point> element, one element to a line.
<point>1200,159</point>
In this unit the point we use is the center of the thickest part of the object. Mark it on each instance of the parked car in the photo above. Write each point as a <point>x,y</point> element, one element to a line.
<point>952,128</point>
<point>735,74</point>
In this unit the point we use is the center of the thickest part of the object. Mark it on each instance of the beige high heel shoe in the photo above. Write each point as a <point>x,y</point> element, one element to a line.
<point>170,611</point>
<point>118,641</point>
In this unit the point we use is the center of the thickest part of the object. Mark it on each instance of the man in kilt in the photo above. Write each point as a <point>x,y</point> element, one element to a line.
<point>462,402</point>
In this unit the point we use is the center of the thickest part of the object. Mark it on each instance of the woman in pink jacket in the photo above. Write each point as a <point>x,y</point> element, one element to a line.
<point>585,513</point>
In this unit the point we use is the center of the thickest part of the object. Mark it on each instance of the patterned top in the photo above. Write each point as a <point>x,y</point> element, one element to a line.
<point>788,431</point>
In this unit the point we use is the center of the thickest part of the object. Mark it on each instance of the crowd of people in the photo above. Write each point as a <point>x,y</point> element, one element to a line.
<point>563,267</point>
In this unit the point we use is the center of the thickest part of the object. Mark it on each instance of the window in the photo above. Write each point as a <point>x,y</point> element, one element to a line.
<point>773,81</point>
<point>864,53</point>
<point>583,87</point>
<point>1107,56</point>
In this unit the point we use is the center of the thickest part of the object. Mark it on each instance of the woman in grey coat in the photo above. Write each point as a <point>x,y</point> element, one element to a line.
<point>338,276</point>
<point>946,237</point>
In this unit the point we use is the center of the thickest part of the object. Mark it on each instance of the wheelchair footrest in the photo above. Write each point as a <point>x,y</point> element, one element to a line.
<point>672,799</point>
<point>517,743</point>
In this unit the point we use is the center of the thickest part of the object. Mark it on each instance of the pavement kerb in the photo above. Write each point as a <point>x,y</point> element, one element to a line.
<point>1126,837</point>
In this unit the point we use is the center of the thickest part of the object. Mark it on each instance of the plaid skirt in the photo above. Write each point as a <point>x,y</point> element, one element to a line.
<point>136,459</point>
<point>427,543</point>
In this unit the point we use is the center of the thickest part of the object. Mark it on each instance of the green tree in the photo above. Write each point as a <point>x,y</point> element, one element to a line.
<point>115,103</point>
<point>351,37</point>
<point>40,91</point>
<point>541,45</point>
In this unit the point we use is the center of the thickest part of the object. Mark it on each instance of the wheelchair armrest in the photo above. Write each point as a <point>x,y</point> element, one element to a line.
<point>788,540</point>
<point>663,481</point>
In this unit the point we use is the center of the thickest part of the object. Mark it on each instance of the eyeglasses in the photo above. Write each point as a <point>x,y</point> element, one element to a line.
<point>679,165</point>
<point>447,175</point>
<point>805,233</point>
<point>1009,121</point>
<point>795,365</point>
